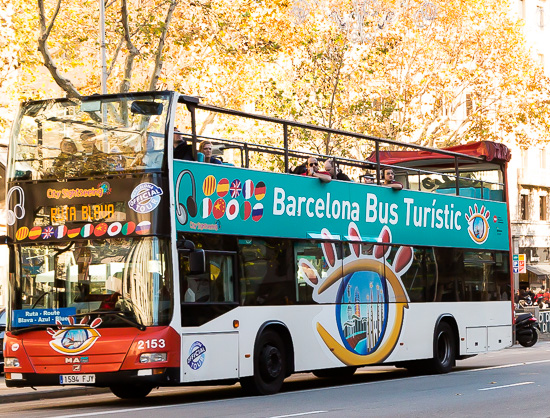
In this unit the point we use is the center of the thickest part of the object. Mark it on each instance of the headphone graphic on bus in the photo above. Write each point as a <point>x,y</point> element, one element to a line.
<point>190,210</point>
<point>18,211</point>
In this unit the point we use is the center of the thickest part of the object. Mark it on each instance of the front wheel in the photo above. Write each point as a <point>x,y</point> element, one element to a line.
<point>529,340</point>
<point>269,365</point>
<point>444,350</point>
<point>131,391</point>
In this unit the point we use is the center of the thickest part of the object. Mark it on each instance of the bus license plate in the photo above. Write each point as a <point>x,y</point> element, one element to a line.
<point>76,379</point>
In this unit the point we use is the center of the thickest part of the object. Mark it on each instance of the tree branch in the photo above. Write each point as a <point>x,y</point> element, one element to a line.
<point>158,57</point>
<point>49,63</point>
<point>132,50</point>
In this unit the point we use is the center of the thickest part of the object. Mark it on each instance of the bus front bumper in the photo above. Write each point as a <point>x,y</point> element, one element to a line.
<point>151,377</point>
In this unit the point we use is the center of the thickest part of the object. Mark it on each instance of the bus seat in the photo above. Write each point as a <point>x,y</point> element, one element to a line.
<point>496,195</point>
<point>200,157</point>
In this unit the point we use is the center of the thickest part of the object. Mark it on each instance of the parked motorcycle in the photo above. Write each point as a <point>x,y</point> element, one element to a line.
<point>526,329</point>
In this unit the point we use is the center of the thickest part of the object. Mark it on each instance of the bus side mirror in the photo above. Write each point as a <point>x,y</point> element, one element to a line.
<point>197,262</point>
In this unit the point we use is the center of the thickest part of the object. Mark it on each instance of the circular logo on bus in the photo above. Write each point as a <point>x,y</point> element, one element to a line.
<point>196,355</point>
<point>145,198</point>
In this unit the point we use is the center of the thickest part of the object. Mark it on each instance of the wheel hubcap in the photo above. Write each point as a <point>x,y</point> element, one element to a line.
<point>271,362</point>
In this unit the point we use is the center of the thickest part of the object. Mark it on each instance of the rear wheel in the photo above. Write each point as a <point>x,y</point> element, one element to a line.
<point>269,365</point>
<point>444,350</point>
<point>131,391</point>
<point>336,373</point>
<point>529,340</point>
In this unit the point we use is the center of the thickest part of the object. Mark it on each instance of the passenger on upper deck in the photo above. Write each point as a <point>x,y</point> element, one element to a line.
<point>313,170</point>
<point>206,148</point>
<point>93,157</point>
<point>389,181</point>
<point>66,164</point>
<point>182,150</point>
<point>149,157</point>
<point>335,173</point>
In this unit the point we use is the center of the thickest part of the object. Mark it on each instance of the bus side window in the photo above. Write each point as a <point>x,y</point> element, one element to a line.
<point>216,284</point>
<point>311,266</point>
<point>266,272</point>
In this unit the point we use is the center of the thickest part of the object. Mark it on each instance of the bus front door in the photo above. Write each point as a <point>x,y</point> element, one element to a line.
<point>210,343</point>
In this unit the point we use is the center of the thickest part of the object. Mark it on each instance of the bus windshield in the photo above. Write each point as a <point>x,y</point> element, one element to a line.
<point>57,139</point>
<point>123,281</point>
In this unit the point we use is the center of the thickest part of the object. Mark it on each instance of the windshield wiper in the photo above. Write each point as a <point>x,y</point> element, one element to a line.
<point>33,328</point>
<point>117,314</point>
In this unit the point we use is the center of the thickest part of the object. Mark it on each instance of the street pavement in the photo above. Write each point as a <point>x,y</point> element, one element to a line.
<point>8,395</point>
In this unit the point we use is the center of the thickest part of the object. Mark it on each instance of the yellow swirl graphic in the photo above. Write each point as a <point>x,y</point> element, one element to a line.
<point>385,349</point>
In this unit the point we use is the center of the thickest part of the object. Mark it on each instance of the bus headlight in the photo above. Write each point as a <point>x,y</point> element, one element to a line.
<point>11,362</point>
<point>152,357</point>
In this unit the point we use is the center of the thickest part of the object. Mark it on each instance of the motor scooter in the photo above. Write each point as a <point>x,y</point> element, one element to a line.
<point>526,329</point>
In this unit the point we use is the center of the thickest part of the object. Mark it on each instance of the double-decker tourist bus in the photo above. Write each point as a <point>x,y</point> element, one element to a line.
<point>137,261</point>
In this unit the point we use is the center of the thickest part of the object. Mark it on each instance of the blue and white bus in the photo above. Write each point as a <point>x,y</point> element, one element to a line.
<point>132,269</point>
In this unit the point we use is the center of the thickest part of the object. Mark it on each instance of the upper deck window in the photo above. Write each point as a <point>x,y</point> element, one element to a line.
<point>69,138</point>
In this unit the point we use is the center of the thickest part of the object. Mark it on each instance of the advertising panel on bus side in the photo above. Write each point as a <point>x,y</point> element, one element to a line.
<point>228,200</point>
<point>88,209</point>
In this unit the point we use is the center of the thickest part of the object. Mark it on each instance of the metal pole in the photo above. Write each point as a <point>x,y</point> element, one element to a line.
<point>285,138</point>
<point>103,53</point>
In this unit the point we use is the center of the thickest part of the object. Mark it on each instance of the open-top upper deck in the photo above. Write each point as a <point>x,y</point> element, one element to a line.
<point>69,144</point>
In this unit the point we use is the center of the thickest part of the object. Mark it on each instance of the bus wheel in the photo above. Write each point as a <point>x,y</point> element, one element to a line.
<point>131,391</point>
<point>269,365</point>
<point>336,373</point>
<point>444,350</point>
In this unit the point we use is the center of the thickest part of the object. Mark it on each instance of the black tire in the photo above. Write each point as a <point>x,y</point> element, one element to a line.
<point>270,365</point>
<point>444,350</point>
<point>131,391</point>
<point>529,340</point>
<point>336,373</point>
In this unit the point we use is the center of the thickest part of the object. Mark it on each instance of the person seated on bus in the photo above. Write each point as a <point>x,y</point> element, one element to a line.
<point>313,171</point>
<point>299,169</point>
<point>205,147</point>
<point>389,179</point>
<point>198,289</point>
<point>335,173</point>
<point>116,160</point>
<point>94,159</point>
<point>182,150</point>
<point>150,157</point>
<point>66,164</point>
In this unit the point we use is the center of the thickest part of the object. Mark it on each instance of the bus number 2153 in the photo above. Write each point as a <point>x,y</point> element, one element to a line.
<point>154,343</point>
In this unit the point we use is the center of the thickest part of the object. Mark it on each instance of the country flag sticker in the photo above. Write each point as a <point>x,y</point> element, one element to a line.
<point>246,210</point>
<point>248,189</point>
<point>87,230</point>
<point>223,187</point>
<point>257,212</point>
<point>219,208</point>
<point>143,227</point>
<point>206,207</point>
<point>232,210</point>
<point>73,233</point>
<point>100,229</point>
<point>209,185</point>
<point>47,232</point>
<point>22,233</point>
<point>259,192</point>
<point>236,188</point>
<point>128,228</point>
<point>61,231</point>
<point>35,232</point>
<point>114,229</point>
